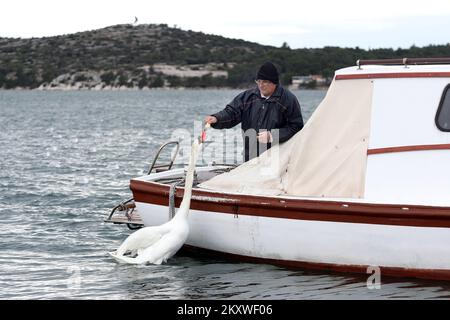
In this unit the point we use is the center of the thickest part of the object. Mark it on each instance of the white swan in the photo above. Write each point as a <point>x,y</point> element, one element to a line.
<point>156,244</point>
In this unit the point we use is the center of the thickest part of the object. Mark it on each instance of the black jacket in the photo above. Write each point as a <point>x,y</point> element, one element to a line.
<point>281,111</point>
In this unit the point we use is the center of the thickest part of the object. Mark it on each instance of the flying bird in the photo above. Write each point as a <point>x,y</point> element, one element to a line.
<point>135,20</point>
<point>156,244</point>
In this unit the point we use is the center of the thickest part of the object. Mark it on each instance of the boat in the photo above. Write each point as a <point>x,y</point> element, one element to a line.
<point>369,182</point>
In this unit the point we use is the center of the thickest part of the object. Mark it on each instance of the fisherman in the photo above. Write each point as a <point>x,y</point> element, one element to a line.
<point>268,113</point>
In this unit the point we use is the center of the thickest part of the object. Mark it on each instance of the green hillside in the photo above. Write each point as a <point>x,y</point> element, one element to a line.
<point>157,55</point>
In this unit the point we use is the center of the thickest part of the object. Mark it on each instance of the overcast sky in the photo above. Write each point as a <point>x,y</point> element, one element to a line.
<point>313,23</point>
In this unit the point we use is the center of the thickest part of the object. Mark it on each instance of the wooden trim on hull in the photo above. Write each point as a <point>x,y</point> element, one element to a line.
<point>393,75</point>
<point>297,209</point>
<point>432,274</point>
<point>425,147</point>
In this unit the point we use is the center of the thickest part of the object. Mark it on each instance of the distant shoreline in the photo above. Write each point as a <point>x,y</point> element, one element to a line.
<point>318,88</point>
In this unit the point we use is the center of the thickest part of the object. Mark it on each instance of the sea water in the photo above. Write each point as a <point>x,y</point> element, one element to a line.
<point>66,161</point>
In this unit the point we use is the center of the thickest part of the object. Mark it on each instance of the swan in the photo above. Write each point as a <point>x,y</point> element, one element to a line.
<point>156,244</point>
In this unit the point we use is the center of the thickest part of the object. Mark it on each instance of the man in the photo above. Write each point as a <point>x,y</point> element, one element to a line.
<point>268,113</point>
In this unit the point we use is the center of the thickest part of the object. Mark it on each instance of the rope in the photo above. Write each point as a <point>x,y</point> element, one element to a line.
<point>172,192</point>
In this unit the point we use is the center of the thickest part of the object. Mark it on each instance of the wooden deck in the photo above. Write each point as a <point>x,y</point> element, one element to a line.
<point>122,219</point>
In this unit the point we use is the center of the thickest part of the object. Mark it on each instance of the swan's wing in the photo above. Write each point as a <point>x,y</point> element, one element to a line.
<point>165,248</point>
<point>140,239</point>
<point>150,237</point>
<point>158,252</point>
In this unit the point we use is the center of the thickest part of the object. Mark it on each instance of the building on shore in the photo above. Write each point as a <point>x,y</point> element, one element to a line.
<point>310,81</point>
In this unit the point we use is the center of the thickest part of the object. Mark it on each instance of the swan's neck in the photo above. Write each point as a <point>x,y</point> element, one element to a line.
<point>186,202</point>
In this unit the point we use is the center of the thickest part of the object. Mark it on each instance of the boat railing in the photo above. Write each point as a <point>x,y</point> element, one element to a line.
<point>404,61</point>
<point>166,166</point>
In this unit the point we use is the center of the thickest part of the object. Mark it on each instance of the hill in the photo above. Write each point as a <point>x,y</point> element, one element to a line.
<point>153,55</point>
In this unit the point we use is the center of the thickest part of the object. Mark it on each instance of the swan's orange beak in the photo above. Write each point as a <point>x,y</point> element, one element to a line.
<point>202,137</point>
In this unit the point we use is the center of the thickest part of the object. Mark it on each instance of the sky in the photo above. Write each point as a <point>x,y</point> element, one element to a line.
<point>301,24</point>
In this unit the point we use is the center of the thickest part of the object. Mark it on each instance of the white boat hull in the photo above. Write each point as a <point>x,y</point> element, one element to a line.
<point>339,245</point>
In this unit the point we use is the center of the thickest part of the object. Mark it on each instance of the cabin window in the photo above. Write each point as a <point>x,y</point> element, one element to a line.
<point>443,113</point>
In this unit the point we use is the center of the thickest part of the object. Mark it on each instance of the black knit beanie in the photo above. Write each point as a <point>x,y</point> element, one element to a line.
<point>268,72</point>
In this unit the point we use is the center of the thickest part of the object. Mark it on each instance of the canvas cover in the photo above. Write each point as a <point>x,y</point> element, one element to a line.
<point>327,158</point>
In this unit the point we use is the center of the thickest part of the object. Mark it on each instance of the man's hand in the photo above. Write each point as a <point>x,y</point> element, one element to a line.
<point>210,119</point>
<point>264,137</point>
